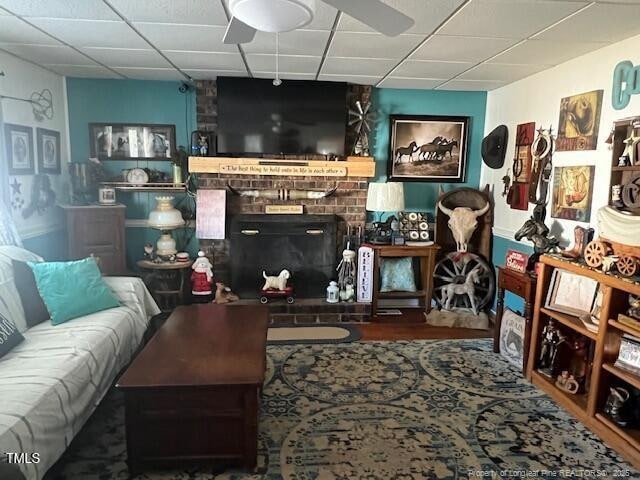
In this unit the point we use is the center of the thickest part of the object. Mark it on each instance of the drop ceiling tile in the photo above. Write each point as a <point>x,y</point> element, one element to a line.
<point>357,79</point>
<point>286,76</point>
<point>360,66</point>
<point>3,12</point>
<point>50,54</point>
<point>287,63</point>
<point>427,14</point>
<point>168,36</point>
<point>372,45</point>
<point>204,74</point>
<point>546,52</point>
<point>598,23</point>
<point>461,49</point>
<point>508,18</point>
<point>467,85</point>
<point>151,73</point>
<point>83,71</point>
<point>14,30</point>
<point>501,72</point>
<point>201,12</point>
<point>87,9</point>
<point>127,57</point>
<point>92,33</point>
<point>297,42</point>
<point>206,60</point>
<point>324,17</point>
<point>403,82</point>
<point>429,69</point>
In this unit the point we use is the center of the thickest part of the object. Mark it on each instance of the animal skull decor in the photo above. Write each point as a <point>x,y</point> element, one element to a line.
<point>463,222</point>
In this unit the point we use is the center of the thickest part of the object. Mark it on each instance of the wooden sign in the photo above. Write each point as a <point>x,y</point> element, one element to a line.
<point>288,170</point>
<point>516,260</point>
<point>284,209</point>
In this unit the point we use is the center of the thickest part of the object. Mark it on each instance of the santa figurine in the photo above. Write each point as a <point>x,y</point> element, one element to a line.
<point>202,279</point>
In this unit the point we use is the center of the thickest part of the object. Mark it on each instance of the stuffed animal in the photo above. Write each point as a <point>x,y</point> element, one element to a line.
<point>276,283</point>
<point>224,294</point>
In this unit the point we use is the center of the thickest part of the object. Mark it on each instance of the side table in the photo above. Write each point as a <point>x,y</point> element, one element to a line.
<point>524,286</point>
<point>161,279</point>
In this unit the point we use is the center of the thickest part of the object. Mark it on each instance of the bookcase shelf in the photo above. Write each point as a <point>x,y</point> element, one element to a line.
<point>588,407</point>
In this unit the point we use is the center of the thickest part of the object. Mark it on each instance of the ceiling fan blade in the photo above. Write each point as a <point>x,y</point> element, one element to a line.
<point>377,15</point>
<point>238,32</point>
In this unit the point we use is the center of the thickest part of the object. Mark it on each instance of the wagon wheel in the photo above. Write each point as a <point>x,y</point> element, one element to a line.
<point>454,268</point>
<point>594,253</point>
<point>627,265</point>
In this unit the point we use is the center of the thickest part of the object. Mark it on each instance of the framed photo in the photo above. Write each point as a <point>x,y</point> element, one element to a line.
<point>571,294</point>
<point>48,142</point>
<point>579,121</point>
<point>572,192</point>
<point>19,145</point>
<point>428,148</point>
<point>132,141</point>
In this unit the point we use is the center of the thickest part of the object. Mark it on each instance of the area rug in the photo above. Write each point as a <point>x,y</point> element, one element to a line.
<point>312,334</point>
<point>449,409</point>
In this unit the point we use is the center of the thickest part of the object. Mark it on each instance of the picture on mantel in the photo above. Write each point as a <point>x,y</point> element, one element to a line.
<point>572,191</point>
<point>579,121</point>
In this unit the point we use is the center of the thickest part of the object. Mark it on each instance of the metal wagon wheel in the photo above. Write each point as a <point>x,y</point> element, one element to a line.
<point>594,253</point>
<point>627,265</point>
<point>454,268</point>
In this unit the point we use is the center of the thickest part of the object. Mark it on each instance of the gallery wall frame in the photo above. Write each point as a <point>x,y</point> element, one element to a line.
<point>19,149</point>
<point>132,141</point>
<point>48,148</point>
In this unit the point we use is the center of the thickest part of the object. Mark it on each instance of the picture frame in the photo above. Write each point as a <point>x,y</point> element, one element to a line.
<point>571,293</point>
<point>19,149</point>
<point>579,121</point>
<point>572,192</point>
<point>428,148</point>
<point>132,141</point>
<point>48,146</point>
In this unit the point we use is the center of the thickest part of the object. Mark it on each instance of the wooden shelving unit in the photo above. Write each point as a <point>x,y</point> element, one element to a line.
<point>588,407</point>
<point>623,129</point>
<point>147,187</point>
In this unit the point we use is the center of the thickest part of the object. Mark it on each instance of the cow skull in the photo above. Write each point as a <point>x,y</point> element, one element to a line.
<point>462,222</point>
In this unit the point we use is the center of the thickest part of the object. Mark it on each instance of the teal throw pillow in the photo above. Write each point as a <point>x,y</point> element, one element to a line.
<point>72,289</point>
<point>396,274</point>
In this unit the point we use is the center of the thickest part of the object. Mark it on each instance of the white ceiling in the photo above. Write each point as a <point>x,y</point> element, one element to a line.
<point>454,44</point>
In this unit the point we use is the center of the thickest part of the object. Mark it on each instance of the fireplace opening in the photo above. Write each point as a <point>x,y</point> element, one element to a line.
<point>306,245</point>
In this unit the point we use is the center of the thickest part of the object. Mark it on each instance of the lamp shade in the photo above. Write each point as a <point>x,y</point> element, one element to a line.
<point>165,216</point>
<point>385,197</point>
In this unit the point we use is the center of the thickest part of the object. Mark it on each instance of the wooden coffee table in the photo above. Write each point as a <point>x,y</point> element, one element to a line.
<point>191,395</point>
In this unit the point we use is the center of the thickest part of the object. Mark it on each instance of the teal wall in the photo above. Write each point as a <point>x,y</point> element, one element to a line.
<point>500,247</point>
<point>388,101</point>
<point>136,101</point>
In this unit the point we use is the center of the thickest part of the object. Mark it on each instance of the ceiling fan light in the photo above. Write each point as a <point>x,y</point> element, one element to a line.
<point>273,15</point>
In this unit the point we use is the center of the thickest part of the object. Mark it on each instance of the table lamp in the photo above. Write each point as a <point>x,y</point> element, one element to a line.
<point>165,218</point>
<point>384,197</point>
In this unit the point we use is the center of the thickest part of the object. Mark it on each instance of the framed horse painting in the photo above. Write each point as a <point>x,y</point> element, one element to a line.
<point>428,148</point>
<point>132,141</point>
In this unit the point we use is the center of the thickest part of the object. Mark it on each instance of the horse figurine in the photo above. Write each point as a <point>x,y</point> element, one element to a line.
<point>467,288</point>
<point>537,232</point>
<point>402,151</point>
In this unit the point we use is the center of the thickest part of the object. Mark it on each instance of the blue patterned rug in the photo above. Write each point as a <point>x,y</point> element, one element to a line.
<point>382,410</point>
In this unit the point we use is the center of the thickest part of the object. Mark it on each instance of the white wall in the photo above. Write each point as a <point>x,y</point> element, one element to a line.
<point>21,79</point>
<point>537,99</point>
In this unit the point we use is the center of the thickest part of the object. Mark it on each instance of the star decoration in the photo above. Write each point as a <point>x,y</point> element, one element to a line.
<point>631,148</point>
<point>16,186</point>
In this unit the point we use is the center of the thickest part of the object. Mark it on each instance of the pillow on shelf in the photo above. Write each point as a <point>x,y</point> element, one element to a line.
<point>35,311</point>
<point>72,289</point>
<point>396,274</point>
<point>10,336</point>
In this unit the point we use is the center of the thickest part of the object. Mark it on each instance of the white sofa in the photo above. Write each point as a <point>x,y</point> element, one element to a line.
<point>52,382</point>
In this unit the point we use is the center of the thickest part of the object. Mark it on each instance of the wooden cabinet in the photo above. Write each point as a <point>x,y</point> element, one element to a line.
<point>97,230</point>
<point>588,405</point>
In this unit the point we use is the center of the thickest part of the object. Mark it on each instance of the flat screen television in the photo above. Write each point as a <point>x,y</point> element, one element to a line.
<point>298,117</point>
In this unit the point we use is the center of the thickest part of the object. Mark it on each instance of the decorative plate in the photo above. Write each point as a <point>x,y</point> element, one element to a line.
<point>137,176</point>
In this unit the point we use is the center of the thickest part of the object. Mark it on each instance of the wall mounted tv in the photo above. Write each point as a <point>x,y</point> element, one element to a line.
<point>296,118</point>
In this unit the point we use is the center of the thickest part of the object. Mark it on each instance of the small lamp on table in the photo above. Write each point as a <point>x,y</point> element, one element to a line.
<point>384,197</point>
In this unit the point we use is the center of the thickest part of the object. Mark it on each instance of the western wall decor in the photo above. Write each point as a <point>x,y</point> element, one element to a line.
<point>19,148</point>
<point>579,121</point>
<point>361,120</point>
<point>48,146</point>
<point>494,147</point>
<point>517,193</point>
<point>542,158</point>
<point>626,82</point>
<point>414,226</point>
<point>132,141</point>
<point>428,148</point>
<point>572,191</point>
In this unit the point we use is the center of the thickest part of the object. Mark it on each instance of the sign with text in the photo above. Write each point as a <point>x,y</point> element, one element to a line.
<point>289,170</point>
<point>516,260</point>
<point>284,209</point>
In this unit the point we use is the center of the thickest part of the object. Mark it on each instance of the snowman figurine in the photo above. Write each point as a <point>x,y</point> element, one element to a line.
<point>202,279</point>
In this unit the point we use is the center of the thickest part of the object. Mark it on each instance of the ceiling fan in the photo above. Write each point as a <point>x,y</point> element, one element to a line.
<point>273,16</point>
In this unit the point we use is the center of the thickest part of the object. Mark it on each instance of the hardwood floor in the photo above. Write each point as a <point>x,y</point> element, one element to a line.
<point>420,331</point>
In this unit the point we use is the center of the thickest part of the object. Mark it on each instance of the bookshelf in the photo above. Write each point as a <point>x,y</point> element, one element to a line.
<point>588,406</point>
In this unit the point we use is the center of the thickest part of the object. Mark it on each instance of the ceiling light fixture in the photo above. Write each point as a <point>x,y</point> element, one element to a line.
<point>276,81</point>
<point>273,15</point>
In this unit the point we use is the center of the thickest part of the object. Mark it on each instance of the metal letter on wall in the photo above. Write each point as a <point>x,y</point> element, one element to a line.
<point>626,82</point>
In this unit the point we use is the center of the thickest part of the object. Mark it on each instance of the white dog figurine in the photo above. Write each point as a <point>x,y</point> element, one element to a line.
<point>277,283</point>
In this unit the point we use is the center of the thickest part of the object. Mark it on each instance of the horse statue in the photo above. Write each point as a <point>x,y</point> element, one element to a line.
<point>467,288</point>
<point>402,151</point>
<point>537,232</point>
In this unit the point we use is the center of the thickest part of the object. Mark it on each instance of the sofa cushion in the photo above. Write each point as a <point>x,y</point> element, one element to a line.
<point>9,334</point>
<point>35,311</point>
<point>72,289</point>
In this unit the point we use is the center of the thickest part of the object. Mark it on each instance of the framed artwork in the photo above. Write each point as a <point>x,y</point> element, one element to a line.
<point>579,121</point>
<point>19,145</point>
<point>428,148</point>
<point>571,294</point>
<point>48,142</point>
<point>572,191</point>
<point>132,141</point>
